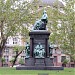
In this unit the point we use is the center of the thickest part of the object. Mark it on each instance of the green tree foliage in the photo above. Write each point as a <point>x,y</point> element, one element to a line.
<point>61,24</point>
<point>65,61</point>
<point>21,61</point>
<point>62,27</point>
<point>15,16</point>
<point>2,60</point>
<point>11,61</point>
<point>12,14</point>
<point>68,29</point>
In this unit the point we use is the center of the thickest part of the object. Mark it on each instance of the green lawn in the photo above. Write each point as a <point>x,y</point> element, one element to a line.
<point>13,71</point>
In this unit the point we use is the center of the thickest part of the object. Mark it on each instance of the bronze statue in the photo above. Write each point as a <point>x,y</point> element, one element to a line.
<point>39,51</point>
<point>27,49</point>
<point>41,24</point>
<point>50,49</point>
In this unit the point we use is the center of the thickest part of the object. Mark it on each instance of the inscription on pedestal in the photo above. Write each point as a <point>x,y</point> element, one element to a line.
<point>39,62</point>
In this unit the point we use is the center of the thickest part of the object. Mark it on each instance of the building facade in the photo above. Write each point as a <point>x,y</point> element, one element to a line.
<point>61,59</point>
<point>9,52</point>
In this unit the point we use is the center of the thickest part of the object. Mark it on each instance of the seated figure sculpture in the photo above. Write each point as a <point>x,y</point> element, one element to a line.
<point>27,49</point>
<point>39,51</point>
<point>50,49</point>
<point>41,24</point>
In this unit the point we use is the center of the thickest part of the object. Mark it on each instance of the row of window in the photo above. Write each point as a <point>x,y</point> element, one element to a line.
<point>23,57</point>
<point>7,51</point>
<point>7,58</point>
<point>15,40</point>
<point>62,58</point>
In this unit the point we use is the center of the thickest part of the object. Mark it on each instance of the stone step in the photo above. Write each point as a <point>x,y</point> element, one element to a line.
<point>39,64</point>
<point>40,68</point>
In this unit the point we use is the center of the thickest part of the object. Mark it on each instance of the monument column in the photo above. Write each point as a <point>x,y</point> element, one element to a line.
<point>31,47</point>
<point>46,47</point>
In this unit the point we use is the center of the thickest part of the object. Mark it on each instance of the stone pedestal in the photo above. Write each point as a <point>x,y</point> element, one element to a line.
<point>29,62</point>
<point>49,62</point>
<point>39,36</point>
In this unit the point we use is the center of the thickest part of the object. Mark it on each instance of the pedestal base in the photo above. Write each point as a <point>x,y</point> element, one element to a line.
<point>39,68</point>
<point>39,62</point>
<point>29,62</point>
<point>49,61</point>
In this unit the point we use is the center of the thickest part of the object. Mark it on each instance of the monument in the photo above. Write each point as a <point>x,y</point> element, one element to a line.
<point>38,54</point>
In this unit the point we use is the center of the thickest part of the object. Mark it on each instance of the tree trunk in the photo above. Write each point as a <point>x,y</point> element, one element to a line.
<point>17,54</point>
<point>2,47</point>
<point>0,57</point>
<point>2,63</point>
<point>14,61</point>
<point>3,40</point>
<point>74,63</point>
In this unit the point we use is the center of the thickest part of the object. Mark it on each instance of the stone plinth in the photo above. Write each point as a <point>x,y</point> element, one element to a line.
<point>49,61</point>
<point>29,62</point>
<point>37,36</point>
<point>39,62</point>
<point>39,68</point>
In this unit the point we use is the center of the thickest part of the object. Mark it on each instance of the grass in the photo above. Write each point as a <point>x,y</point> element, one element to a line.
<point>13,71</point>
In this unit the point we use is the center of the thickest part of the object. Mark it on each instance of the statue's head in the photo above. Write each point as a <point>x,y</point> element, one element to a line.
<point>39,43</point>
<point>44,16</point>
<point>27,43</point>
<point>44,12</point>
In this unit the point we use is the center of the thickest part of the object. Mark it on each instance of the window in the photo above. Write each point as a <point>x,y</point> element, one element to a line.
<point>15,40</point>
<point>40,6</point>
<point>13,57</point>
<point>23,57</point>
<point>7,42</point>
<point>71,60</point>
<point>14,52</point>
<point>72,65</point>
<point>55,51</point>
<point>6,58</point>
<point>23,51</point>
<point>6,50</point>
<point>62,52</point>
<point>55,58</point>
<point>63,58</point>
<point>5,65</point>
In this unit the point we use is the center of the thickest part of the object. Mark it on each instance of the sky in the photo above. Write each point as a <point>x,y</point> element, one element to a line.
<point>46,0</point>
